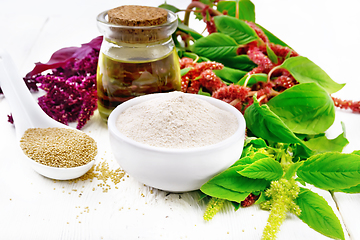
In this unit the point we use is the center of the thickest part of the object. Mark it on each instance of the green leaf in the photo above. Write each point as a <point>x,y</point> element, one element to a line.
<point>357,152</point>
<point>246,9</point>
<point>305,71</point>
<point>300,152</point>
<point>253,78</point>
<point>178,45</point>
<point>267,125</point>
<point>262,198</point>
<point>215,190</point>
<point>309,136</point>
<point>235,28</point>
<point>331,171</point>
<point>197,14</point>
<point>302,182</point>
<point>201,195</point>
<point>204,93</point>
<point>354,189</point>
<point>256,142</point>
<point>207,2</point>
<point>241,62</point>
<point>189,30</point>
<point>250,159</point>
<point>318,215</point>
<point>251,150</point>
<point>271,55</point>
<point>216,45</point>
<point>229,75</point>
<point>184,71</point>
<point>169,7</point>
<point>290,172</point>
<point>272,38</point>
<point>231,180</point>
<point>323,144</point>
<point>287,55</point>
<point>193,56</point>
<point>247,151</point>
<point>236,205</point>
<point>305,108</point>
<point>266,168</point>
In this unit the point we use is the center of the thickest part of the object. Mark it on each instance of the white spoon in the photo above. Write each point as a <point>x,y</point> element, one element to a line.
<point>28,114</point>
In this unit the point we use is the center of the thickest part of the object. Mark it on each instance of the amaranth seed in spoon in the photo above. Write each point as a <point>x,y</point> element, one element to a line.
<point>58,147</point>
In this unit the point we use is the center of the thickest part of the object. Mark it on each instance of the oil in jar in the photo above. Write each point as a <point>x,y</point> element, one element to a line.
<point>119,80</point>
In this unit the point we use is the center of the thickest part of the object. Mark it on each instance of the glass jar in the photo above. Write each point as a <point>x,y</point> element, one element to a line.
<point>135,60</point>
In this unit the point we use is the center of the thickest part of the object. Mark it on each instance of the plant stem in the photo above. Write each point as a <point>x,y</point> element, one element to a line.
<point>199,5</point>
<point>247,80</point>
<point>237,10</point>
<point>271,71</point>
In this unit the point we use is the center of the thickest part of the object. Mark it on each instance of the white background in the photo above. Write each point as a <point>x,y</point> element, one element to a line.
<point>33,207</point>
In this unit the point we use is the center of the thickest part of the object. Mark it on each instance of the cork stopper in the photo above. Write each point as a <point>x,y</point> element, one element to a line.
<point>137,24</point>
<point>133,15</point>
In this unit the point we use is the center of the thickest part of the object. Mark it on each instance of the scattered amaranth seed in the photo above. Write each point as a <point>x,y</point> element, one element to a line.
<point>103,173</point>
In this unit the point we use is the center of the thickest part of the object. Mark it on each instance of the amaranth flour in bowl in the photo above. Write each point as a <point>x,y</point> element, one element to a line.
<point>177,120</point>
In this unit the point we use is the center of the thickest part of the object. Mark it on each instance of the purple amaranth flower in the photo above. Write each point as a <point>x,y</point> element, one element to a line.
<point>71,86</point>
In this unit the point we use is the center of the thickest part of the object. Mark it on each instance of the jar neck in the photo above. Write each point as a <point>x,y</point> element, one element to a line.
<point>140,43</point>
<point>125,51</point>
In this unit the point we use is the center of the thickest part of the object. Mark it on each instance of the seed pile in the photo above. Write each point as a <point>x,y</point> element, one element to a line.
<point>103,173</point>
<point>58,147</point>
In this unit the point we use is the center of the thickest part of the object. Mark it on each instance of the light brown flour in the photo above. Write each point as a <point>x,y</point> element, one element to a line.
<point>177,120</point>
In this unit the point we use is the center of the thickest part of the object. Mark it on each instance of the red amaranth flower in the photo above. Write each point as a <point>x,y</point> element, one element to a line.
<point>243,49</point>
<point>284,82</point>
<point>255,70</point>
<point>89,105</point>
<point>282,51</point>
<point>190,81</point>
<point>68,99</point>
<point>10,118</point>
<point>265,92</point>
<point>235,95</point>
<point>260,59</point>
<point>258,31</point>
<point>249,200</point>
<point>65,55</point>
<point>200,67</point>
<point>186,62</point>
<point>184,83</point>
<point>231,92</point>
<point>81,67</point>
<point>71,86</point>
<point>210,81</point>
<point>194,87</point>
<point>209,20</point>
<point>354,106</point>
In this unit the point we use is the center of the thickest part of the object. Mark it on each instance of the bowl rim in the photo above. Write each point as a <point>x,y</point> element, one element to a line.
<point>240,132</point>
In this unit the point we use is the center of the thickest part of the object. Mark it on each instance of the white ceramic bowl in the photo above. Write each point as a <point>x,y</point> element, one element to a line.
<point>175,170</point>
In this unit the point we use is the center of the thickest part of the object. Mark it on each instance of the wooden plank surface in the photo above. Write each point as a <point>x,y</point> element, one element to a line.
<point>33,207</point>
